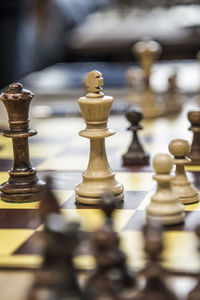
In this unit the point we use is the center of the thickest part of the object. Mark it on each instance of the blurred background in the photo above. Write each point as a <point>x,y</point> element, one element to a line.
<point>51,44</point>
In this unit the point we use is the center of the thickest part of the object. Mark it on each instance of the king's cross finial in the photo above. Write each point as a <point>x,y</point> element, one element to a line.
<point>94,82</point>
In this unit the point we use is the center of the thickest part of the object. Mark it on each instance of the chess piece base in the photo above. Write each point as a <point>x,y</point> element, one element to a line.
<point>11,192</point>
<point>95,200</point>
<point>186,193</point>
<point>93,187</point>
<point>131,159</point>
<point>167,220</point>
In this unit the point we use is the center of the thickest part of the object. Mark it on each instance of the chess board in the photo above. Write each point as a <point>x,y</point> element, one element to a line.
<point>58,150</point>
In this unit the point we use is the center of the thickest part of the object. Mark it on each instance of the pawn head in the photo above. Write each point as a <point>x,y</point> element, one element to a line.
<point>134,115</point>
<point>179,147</point>
<point>194,117</point>
<point>162,163</point>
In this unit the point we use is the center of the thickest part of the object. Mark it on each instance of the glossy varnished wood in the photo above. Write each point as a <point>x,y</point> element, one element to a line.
<point>23,184</point>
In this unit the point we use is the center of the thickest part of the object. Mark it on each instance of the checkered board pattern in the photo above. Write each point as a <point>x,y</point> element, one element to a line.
<point>59,151</point>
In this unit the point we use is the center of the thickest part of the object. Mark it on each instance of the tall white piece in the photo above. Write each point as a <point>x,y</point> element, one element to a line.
<point>98,178</point>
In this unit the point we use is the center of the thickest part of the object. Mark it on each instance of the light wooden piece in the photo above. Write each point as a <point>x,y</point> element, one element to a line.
<point>98,178</point>
<point>194,118</point>
<point>147,51</point>
<point>180,183</point>
<point>165,206</point>
<point>172,99</point>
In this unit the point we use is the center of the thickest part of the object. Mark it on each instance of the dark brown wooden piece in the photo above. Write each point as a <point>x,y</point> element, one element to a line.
<point>111,276</point>
<point>155,287</point>
<point>135,154</point>
<point>23,184</point>
<point>195,293</point>
<point>194,118</point>
<point>48,201</point>
<point>57,277</point>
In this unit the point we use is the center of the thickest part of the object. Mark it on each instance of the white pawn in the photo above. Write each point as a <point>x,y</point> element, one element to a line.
<point>165,206</point>
<point>180,183</point>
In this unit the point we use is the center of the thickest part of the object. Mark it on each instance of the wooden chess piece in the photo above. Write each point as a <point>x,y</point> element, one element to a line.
<point>165,206</point>
<point>135,82</point>
<point>172,99</point>
<point>194,118</point>
<point>111,278</point>
<point>135,154</point>
<point>56,279</point>
<point>147,52</point>
<point>155,287</point>
<point>180,183</point>
<point>23,184</point>
<point>98,177</point>
<point>195,293</point>
<point>48,201</point>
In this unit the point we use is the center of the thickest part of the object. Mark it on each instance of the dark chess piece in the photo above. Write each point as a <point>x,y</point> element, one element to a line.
<point>23,184</point>
<point>195,293</point>
<point>194,118</point>
<point>135,154</point>
<point>48,201</point>
<point>155,287</point>
<point>57,278</point>
<point>111,279</point>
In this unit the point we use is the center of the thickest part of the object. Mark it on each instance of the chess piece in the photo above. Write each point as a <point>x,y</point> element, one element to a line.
<point>135,82</point>
<point>135,154</point>
<point>98,177</point>
<point>56,279</point>
<point>48,201</point>
<point>23,184</point>
<point>165,205</point>
<point>194,118</point>
<point>195,293</point>
<point>172,98</point>
<point>111,278</point>
<point>180,183</point>
<point>155,287</point>
<point>147,52</point>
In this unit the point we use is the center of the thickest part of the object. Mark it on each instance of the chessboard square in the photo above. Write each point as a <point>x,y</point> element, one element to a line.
<point>19,218</point>
<point>136,222</point>
<point>65,163</point>
<point>177,245</point>
<point>7,150</point>
<point>131,242</point>
<point>90,220</point>
<point>133,199</point>
<point>192,207</point>
<point>21,261</point>
<point>3,176</point>
<point>11,239</point>
<point>146,201</point>
<point>63,196</point>
<point>121,218</point>
<point>141,181</point>
<point>192,168</point>
<point>26,205</point>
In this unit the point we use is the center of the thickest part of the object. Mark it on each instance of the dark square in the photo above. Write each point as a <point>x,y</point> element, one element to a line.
<point>138,220</point>
<point>19,218</point>
<point>33,245</point>
<point>132,200</point>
